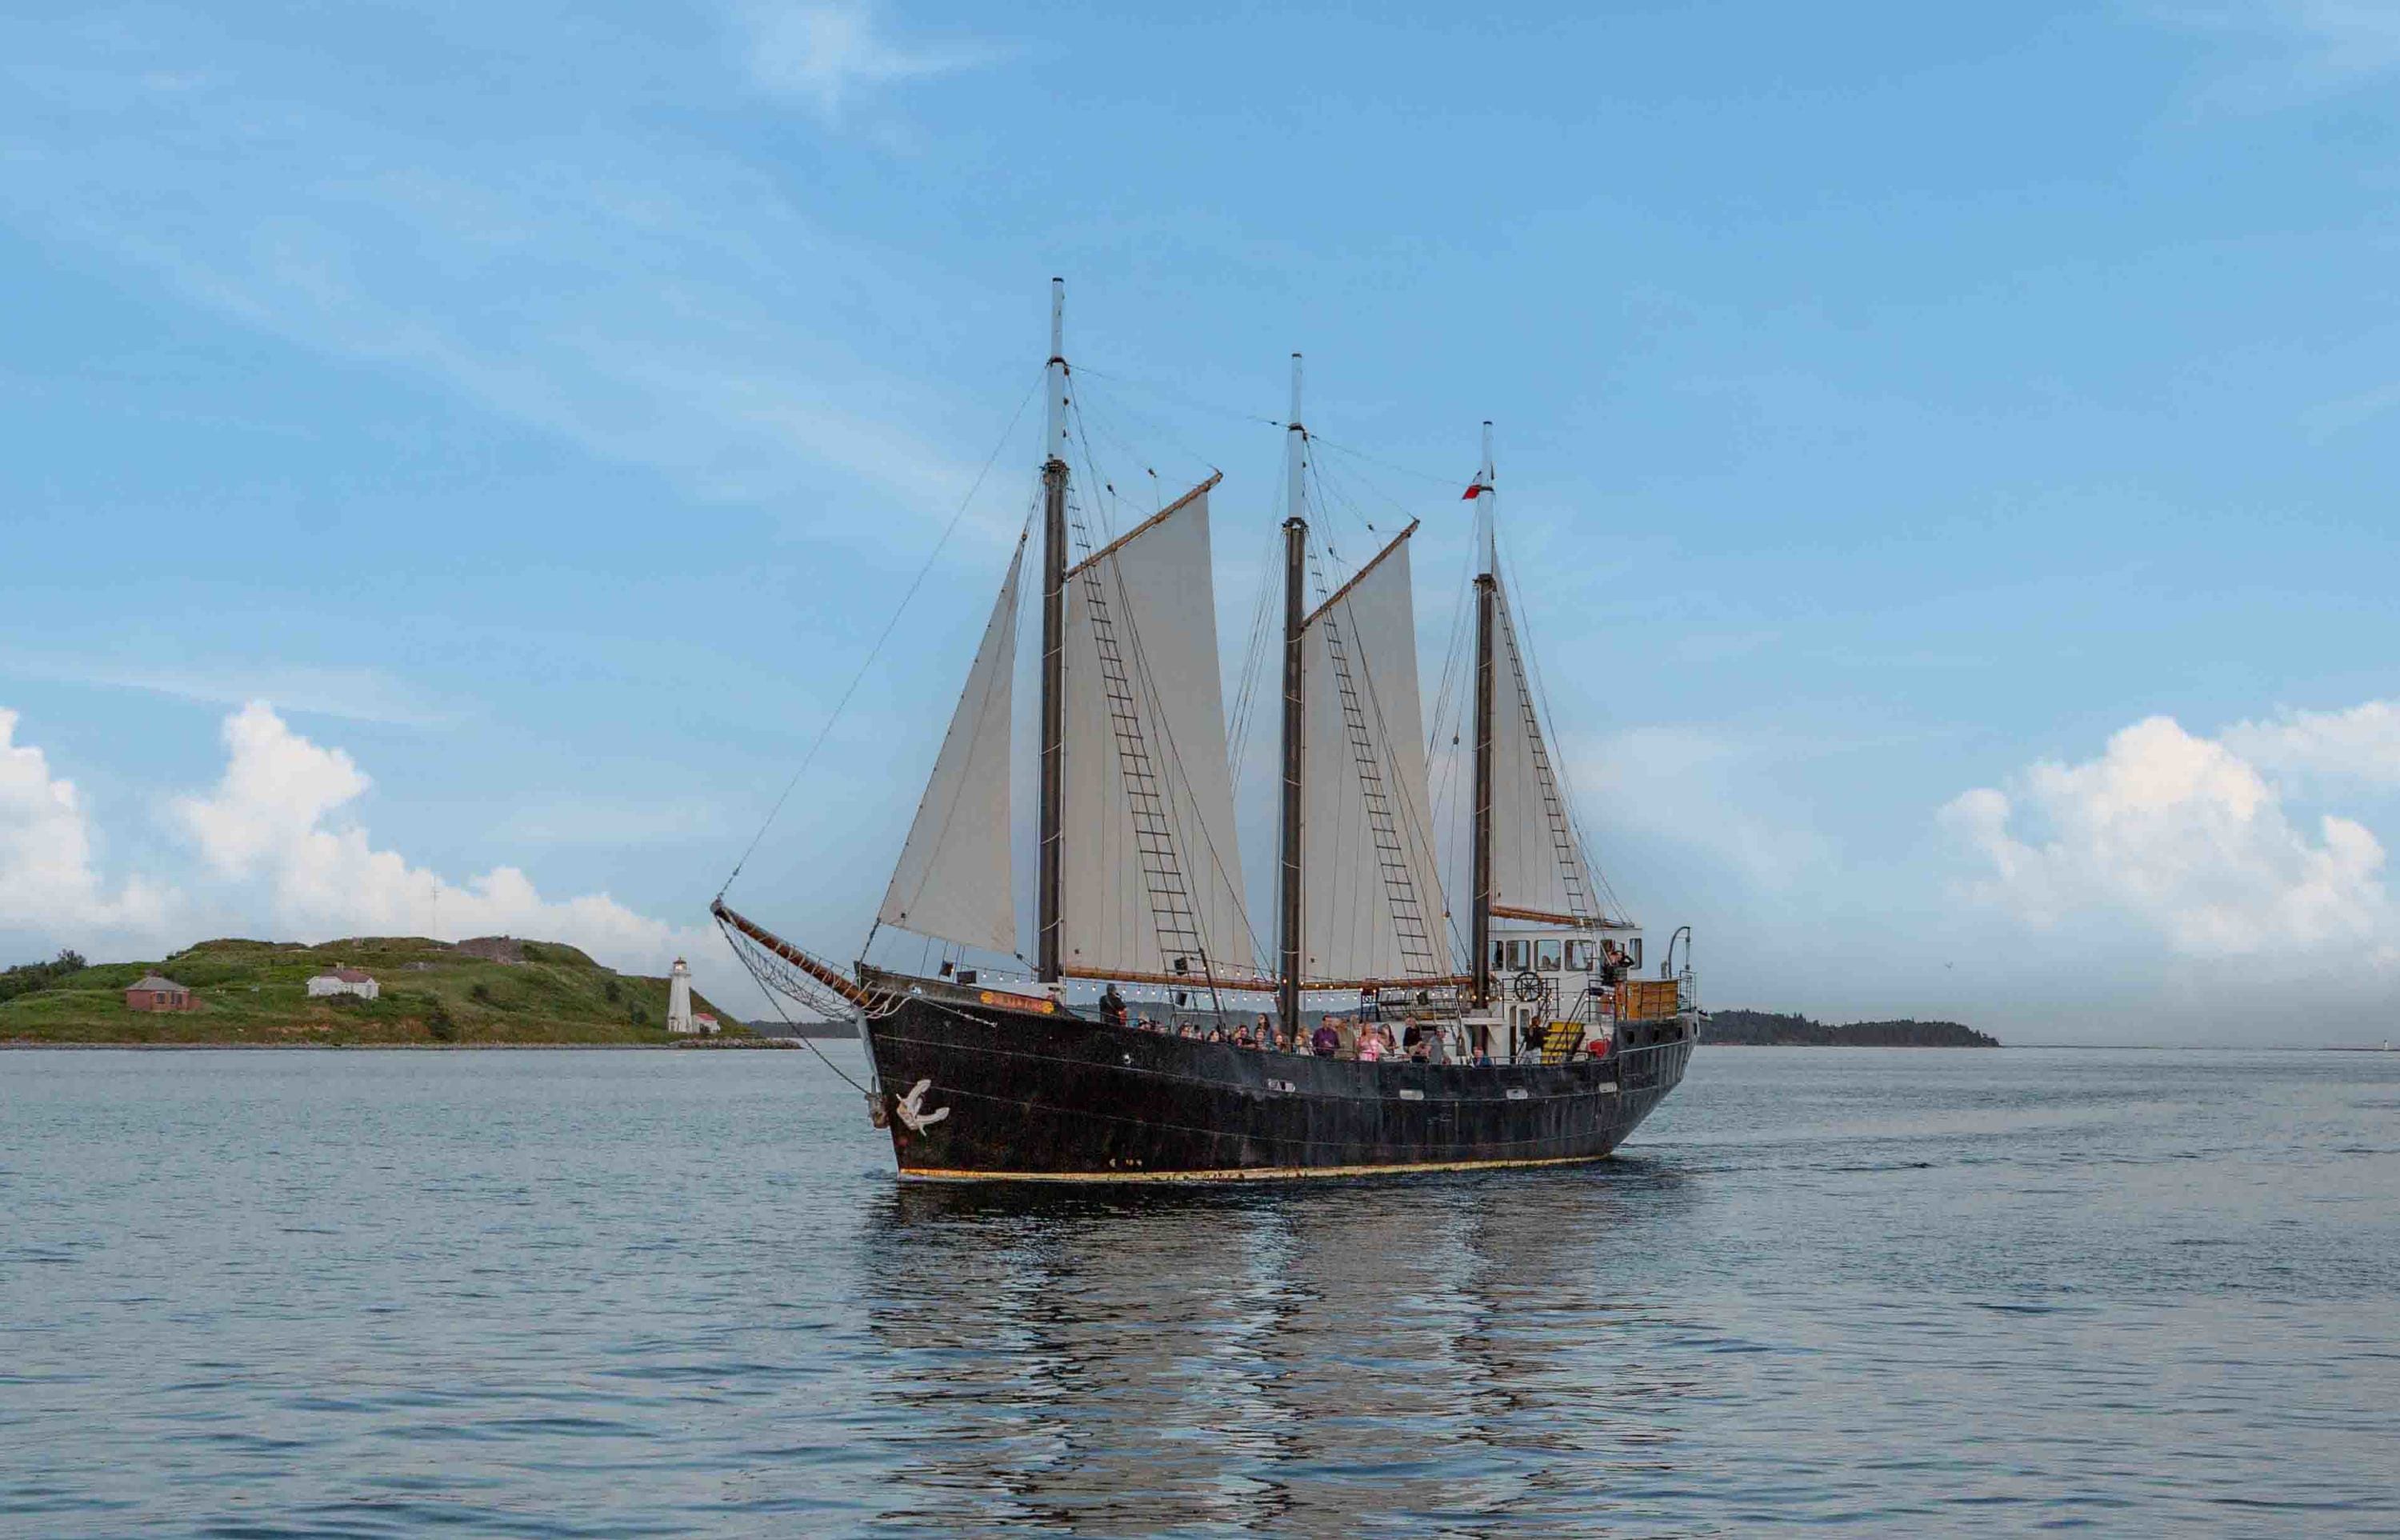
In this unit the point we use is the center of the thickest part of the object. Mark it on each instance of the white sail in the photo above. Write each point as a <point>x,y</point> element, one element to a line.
<point>1537,862</point>
<point>1150,866</point>
<point>952,881</point>
<point>1370,899</point>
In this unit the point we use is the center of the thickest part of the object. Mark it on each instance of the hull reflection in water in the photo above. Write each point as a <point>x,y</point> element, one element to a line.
<point>981,1091</point>
<point>1305,1360</point>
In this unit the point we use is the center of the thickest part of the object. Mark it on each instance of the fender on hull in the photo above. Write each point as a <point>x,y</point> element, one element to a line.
<point>983,1093</point>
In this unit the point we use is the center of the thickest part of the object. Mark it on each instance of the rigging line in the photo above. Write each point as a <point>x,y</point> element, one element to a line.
<point>1335,500</point>
<point>772,999</point>
<point>1562,774</point>
<point>1450,699</point>
<point>1253,657</point>
<point>1389,465</point>
<point>888,627</point>
<point>1173,440</point>
<point>1006,625</point>
<point>1345,490</point>
<point>1415,816</point>
<point>1232,878</point>
<point>1104,492</point>
<point>1565,774</point>
<point>1177,396</point>
<point>1454,653</point>
<point>1453,789</point>
<point>1088,423</point>
<point>1322,530</point>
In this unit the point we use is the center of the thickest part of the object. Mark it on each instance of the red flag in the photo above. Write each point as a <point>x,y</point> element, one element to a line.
<point>1474,491</point>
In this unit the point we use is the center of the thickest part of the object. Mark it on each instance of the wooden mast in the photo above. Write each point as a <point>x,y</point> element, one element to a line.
<point>1295,615</point>
<point>1054,642</point>
<point>1486,604</point>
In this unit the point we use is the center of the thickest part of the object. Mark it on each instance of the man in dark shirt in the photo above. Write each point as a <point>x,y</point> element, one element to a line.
<point>1112,1007</point>
<point>1325,1043</point>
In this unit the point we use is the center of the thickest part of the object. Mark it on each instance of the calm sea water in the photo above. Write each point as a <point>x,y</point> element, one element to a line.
<point>673,1293</point>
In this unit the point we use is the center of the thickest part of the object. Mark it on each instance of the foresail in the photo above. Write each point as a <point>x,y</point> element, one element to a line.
<point>1151,872</point>
<point>1371,904</point>
<point>952,881</point>
<point>1537,862</point>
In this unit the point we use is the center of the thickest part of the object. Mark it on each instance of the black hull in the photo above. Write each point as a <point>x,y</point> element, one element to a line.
<point>1019,1093</point>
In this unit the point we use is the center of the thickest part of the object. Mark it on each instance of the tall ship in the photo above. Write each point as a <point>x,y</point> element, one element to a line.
<point>1384,1029</point>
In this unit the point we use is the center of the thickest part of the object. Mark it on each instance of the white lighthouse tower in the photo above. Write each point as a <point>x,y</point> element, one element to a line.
<point>679,1000</point>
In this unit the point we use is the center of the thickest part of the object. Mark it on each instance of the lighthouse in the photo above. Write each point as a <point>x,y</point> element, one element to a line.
<point>679,1000</point>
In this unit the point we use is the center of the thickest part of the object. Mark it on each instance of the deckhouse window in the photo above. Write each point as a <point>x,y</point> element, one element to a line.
<point>1520,955</point>
<point>1546,956</point>
<point>1580,957</point>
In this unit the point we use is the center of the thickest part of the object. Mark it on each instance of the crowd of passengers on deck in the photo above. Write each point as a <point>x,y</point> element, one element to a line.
<point>1352,1037</point>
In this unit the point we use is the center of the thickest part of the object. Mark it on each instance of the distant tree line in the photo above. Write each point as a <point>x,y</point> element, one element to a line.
<point>1767,1028</point>
<point>26,977</point>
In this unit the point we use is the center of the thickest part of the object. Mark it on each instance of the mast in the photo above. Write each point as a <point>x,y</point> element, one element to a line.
<point>1486,602</point>
<point>1054,641</point>
<point>1295,615</point>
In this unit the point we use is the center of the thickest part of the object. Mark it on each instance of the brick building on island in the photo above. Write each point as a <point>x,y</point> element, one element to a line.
<point>157,993</point>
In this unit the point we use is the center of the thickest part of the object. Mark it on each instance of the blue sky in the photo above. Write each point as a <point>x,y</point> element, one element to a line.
<point>1956,448</point>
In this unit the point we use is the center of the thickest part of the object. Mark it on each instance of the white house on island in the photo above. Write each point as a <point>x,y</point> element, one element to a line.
<point>344,981</point>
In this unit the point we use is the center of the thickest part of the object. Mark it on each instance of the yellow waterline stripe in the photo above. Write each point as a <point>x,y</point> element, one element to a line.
<point>1262,1173</point>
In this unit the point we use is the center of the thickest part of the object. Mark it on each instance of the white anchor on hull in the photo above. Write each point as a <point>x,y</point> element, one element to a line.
<point>911,1112</point>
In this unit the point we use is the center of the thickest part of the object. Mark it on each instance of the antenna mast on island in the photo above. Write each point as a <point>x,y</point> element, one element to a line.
<point>1295,612</point>
<point>1054,642</point>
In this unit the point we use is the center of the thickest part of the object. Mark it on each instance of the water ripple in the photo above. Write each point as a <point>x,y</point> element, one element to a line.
<point>634,1294</point>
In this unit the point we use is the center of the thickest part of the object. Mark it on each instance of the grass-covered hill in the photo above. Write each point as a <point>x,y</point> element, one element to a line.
<point>490,991</point>
<point>1766,1028</point>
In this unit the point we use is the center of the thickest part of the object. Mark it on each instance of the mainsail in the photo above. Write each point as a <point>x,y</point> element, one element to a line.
<point>1151,868</point>
<point>1539,870</point>
<point>952,881</point>
<point>1371,906</point>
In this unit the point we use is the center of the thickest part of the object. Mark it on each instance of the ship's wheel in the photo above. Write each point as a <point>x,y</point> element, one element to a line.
<point>1526,986</point>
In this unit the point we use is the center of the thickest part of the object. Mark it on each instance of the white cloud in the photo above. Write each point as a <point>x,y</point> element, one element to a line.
<point>826,52</point>
<point>2362,743</point>
<point>2185,836</point>
<point>276,816</point>
<point>48,879</point>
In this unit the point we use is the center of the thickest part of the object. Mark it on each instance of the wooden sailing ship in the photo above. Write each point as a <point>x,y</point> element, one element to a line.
<point>1541,1045</point>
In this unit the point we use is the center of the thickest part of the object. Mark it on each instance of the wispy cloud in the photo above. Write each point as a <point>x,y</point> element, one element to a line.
<point>2335,417</point>
<point>620,291</point>
<point>828,53</point>
<point>606,821</point>
<point>1705,786</point>
<point>2302,48</point>
<point>356,694</point>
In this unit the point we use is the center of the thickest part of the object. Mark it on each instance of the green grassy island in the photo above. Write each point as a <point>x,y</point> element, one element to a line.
<point>489,992</point>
